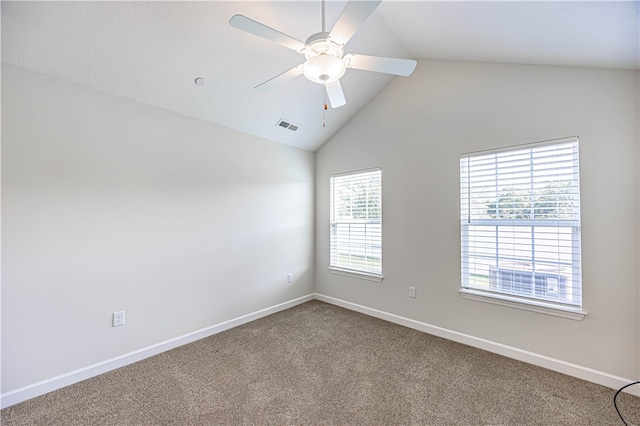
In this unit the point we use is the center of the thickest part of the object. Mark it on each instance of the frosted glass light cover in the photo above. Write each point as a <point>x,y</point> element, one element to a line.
<point>324,68</point>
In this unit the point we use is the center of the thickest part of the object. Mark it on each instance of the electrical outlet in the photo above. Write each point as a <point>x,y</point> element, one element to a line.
<point>412,292</point>
<point>289,278</point>
<point>118,319</point>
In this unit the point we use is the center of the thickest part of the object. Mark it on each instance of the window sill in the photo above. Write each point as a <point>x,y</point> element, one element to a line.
<point>533,306</point>
<point>356,274</point>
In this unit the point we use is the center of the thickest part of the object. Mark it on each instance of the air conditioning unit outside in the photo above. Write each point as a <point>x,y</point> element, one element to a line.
<point>548,281</point>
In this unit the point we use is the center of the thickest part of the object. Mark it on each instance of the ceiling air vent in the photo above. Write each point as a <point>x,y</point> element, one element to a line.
<point>287,125</point>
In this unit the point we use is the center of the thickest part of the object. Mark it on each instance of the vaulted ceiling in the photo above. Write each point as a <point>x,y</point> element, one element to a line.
<point>152,52</point>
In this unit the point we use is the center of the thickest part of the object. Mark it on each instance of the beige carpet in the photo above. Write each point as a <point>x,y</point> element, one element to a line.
<point>321,364</point>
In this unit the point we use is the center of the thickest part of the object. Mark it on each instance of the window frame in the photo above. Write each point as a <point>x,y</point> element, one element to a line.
<point>571,310</point>
<point>333,227</point>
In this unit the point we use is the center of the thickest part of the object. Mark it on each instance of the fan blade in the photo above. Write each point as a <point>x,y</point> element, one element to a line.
<point>352,17</point>
<point>335,94</point>
<point>403,67</point>
<point>280,78</point>
<point>256,28</point>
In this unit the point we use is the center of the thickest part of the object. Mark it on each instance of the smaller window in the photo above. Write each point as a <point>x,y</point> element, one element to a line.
<point>356,223</point>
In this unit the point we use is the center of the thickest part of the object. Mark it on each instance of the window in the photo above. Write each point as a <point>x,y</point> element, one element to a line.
<point>520,225</point>
<point>356,223</point>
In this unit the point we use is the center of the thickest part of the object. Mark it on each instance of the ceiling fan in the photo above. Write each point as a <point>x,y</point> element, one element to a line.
<point>325,60</point>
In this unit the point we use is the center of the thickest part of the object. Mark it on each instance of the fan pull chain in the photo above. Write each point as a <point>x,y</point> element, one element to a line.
<point>324,116</point>
<point>325,106</point>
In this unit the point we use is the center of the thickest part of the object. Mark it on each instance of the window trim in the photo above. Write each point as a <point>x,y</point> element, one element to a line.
<point>514,301</point>
<point>354,273</point>
<point>524,304</point>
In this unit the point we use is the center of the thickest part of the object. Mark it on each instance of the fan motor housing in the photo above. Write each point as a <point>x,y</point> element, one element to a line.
<point>320,43</point>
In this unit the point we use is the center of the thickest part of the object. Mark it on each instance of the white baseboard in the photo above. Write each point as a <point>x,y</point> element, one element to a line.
<point>40,388</point>
<point>578,371</point>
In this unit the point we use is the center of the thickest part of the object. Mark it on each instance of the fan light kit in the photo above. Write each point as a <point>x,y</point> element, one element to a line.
<point>324,59</point>
<point>324,68</point>
<point>324,51</point>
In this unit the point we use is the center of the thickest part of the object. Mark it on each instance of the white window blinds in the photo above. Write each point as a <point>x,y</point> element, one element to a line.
<point>356,222</point>
<point>520,222</point>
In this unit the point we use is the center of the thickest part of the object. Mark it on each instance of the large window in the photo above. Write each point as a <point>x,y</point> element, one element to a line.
<point>356,223</point>
<point>520,224</point>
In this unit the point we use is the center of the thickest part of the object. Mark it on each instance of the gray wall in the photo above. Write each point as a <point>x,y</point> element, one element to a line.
<point>416,130</point>
<point>109,204</point>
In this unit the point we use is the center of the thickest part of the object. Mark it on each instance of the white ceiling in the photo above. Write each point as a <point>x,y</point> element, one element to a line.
<point>152,51</point>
